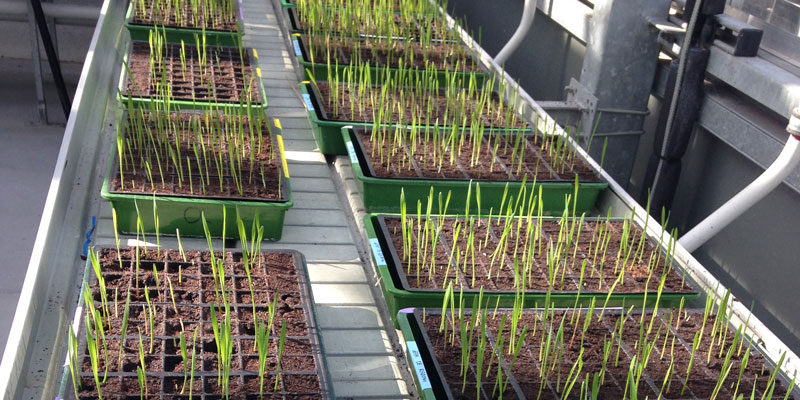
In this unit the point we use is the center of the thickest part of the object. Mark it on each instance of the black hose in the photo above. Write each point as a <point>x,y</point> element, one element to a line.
<point>664,168</point>
<point>52,58</point>
<point>672,139</point>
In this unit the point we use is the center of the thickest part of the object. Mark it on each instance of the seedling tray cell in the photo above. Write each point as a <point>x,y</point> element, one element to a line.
<point>402,290</point>
<point>283,275</point>
<point>381,192</point>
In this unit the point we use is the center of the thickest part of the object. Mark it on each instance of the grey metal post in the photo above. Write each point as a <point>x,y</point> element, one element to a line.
<point>618,69</point>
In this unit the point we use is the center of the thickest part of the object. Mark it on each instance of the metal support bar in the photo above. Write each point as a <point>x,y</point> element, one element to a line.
<point>621,111</point>
<point>528,12</point>
<point>52,58</point>
<point>786,162</point>
<point>621,133</point>
<point>41,103</point>
<point>559,106</point>
<point>665,25</point>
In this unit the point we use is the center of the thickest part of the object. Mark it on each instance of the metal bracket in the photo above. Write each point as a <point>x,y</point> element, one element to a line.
<point>736,37</point>
<point>587,104</point>
<point>581,96</point>
<point>581,100</point>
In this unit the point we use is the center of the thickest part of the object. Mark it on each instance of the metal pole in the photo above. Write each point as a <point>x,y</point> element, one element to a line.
<point>52,58</point>
<point>752,194</point>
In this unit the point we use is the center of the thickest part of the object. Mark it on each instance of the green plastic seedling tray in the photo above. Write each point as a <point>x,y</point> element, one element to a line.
<point>134,102</point>
<point>398,296</point>
<point>65,387</point>
<point>184,212</point>
<point>382,195</point>
<point>319,71</point>
<point>429,376</point>
<point>187,35</point>
<point>328,134</point>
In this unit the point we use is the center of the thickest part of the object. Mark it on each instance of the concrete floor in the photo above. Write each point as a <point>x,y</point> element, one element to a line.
<point>28,150</point>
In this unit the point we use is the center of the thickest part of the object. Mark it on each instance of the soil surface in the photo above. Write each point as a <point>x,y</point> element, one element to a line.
<point>222,17</point>
<point>483,265</point>
<point>223,77</point>
<point>546,377</point>
<point>395,155</point>
<point>394,54</point>
<point>181,295</point>
<point>261,178</point>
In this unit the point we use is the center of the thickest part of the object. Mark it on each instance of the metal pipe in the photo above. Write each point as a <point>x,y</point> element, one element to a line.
<point>788,159</point>
<point>528,12</point>
<point>78,14</point>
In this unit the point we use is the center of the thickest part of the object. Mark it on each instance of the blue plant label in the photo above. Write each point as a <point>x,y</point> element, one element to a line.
<point>419,366</point>
<point>377,252</point>
<point>307,99</point>
<point>297,48</point>
<point>352,152</point>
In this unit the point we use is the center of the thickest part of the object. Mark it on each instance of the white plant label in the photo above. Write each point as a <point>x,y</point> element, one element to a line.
<point>419,366</point>
<point>352,152</point>
<point>377,252</point>
<point>307,99</point>
<point>297,48</point>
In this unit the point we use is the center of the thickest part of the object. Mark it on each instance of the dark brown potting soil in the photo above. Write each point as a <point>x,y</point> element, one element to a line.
<point>224,77</point>
<point>393,54</point>
<point>531,379</point>
<point>274,276</point>
<point>391,160</point>
<point>261,179</point>
<point>482,271</point>
<point>186,17</point>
